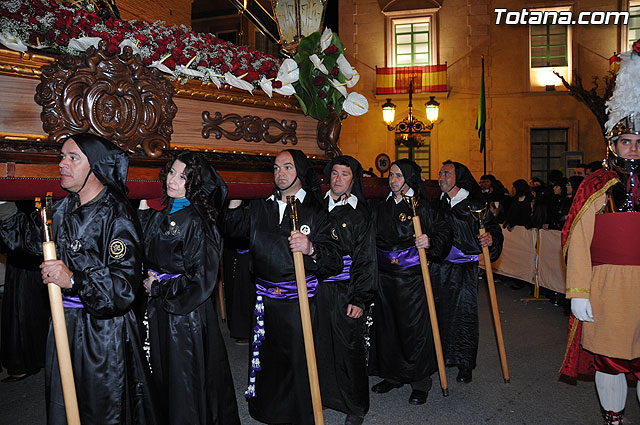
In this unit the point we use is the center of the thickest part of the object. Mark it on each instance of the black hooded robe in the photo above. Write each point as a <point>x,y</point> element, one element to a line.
<point>402,347</point>
<point>100,243</point>
<point>188,355</point>
<point>456,290</point>
<point>342,369</point>
<point>282,384</point>
<point>239,293</point>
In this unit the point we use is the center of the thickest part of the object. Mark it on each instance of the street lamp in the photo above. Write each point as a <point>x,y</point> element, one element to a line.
<point>410,127</point>
<point>297,19</point>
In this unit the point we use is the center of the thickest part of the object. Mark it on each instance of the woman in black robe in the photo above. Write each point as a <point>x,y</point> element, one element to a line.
<point>183,248</point>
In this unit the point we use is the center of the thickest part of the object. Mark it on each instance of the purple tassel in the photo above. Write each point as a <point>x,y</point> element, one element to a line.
<point>258,337</point>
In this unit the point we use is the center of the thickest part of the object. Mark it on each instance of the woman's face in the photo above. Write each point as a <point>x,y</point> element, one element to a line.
<point>176,180</point>
<point>557,190</point>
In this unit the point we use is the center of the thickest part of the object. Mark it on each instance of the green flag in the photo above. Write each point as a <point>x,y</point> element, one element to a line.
<point>482,113</point>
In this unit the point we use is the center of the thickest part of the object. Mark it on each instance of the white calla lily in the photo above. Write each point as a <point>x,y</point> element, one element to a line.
<point>83,43</point>
<point>234,81</point>
<point>325,39</point>
<point>215,78</point>
<point>317,63</point>
<point>345,67</point>
<point>134,46</point>
<point>355,104</point>
<point>287,89</point>
<point>158,65</point>
<point>338,86</point>
<point>266,86</point>
<point>353,80</point>
<point>288,72</point>
<point>182,69</point>
<point>13,43</point>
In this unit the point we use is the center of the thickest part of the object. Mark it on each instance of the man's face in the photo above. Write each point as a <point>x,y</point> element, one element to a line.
<point>284,173</point>
<point>628,146</point>
<point>447,178</point>
<point>484,184</point>
<point>580,171</point>
<point>396,181</point>
<point>177,180</point>
<point>74,166</point>
<point>341,180</point>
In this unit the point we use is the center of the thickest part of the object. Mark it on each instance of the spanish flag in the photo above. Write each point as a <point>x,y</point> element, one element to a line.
<point>396,80</point>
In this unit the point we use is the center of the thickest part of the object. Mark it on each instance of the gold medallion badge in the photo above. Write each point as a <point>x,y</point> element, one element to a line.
<point>402,217</point>
<point>117,249</point>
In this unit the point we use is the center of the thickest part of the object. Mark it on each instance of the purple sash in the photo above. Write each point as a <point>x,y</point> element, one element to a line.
<point>71,302</point>
<point>346,271</point>
<point>241,251</point>
<point>285,290</point>
<point>394,260</point>
<point>457,256</point>
<point>164,276</point>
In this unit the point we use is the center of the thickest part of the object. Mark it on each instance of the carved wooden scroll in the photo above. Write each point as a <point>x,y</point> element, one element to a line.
<point>329,132</point>
<point>249,127</point>
<point>112,95</point>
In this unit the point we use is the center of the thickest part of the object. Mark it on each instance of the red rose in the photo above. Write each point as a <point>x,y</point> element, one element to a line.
<point>112,49</point>
<point>224,68</point>
<point>318,81</point>
<point>331,49</point>
<point>276,84</point>
<point>321,94</point>
<point>252,76</point>
<point>636,46</point>
<point>335,71</point>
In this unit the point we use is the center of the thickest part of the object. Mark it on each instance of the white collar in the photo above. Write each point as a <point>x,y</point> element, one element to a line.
<point>351,200</point>
<point>460,196</point>
<point>407,193</point>
<point>282,205</point>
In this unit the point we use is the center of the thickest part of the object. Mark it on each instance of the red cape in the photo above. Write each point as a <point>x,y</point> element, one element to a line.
<point>576,359</point>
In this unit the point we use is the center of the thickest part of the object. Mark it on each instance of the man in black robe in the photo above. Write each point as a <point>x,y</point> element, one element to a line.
<point>99,265</point>
<point>279,382</point>
<point>457,291</point>
<point>403,350</point>
<point>342,299</point>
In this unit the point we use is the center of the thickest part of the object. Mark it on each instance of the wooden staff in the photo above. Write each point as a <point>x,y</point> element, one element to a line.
<point>305,316</point>
<point>479,215</point>
<point>417,228</point>
<point>57,319</point>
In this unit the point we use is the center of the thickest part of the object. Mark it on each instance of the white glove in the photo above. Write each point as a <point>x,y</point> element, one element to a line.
<point>581,308</point>
<point>143,205</point>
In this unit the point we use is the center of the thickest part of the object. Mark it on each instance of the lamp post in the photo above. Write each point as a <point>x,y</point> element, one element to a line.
<point>410,126</point>
<point>297,19</point>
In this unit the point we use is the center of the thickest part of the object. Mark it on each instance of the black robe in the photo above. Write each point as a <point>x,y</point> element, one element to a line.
<point>100,243</point>
<point>342,369</point>
<point>282,386</point>
<point>188,356</point>
<point>456,290</point>
<point>402,347</point>
<point>239,293</point>
<point>25,315</point>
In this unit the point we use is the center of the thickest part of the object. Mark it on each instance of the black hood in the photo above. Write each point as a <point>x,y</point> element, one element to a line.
<point>358,187</point>
<point>213,186</point>
<point>412,176</point>
<point>306,173</point>
<point>465,180</point>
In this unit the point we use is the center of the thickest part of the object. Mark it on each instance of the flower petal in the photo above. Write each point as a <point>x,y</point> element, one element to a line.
<point>355,104</point>
<point>266,86</point>
<point>325,38</point>
<point>234,81</point>
<point>162,68</point>
<point>317,63</point>
<point>83,43</point>
<point>353,80</point>
<point>181,69</point>
<point>286,89</point>
<point>288,72</point>
<point>338,86</point>
<point>345,67</point>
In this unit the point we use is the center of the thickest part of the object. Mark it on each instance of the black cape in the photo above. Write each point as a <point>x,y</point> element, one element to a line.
<point>456,290</point>
<point>188,356</point>
<point>100,243</point>
<point>239,292</point>
<point>282,386</point>
<point>342,368</point>
<point>402,347</point>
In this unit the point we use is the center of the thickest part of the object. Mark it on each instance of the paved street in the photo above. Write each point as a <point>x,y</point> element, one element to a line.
<point>534,332</point>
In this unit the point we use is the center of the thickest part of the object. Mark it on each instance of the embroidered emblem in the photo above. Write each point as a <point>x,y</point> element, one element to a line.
<point>117,249</point>
<point>394,260</point>
<point>334,234</point>
<point>276,291</point>
<point>305,229</point>
<point>75,245</point>
<point>402,217</point>
<point>174,229</point>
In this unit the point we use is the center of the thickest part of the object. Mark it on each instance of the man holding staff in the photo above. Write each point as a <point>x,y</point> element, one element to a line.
<point>457,294</point>
<point>99,265</point>
<point>403,346</point>
<point>279,381</point>
<point>343,299</point>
